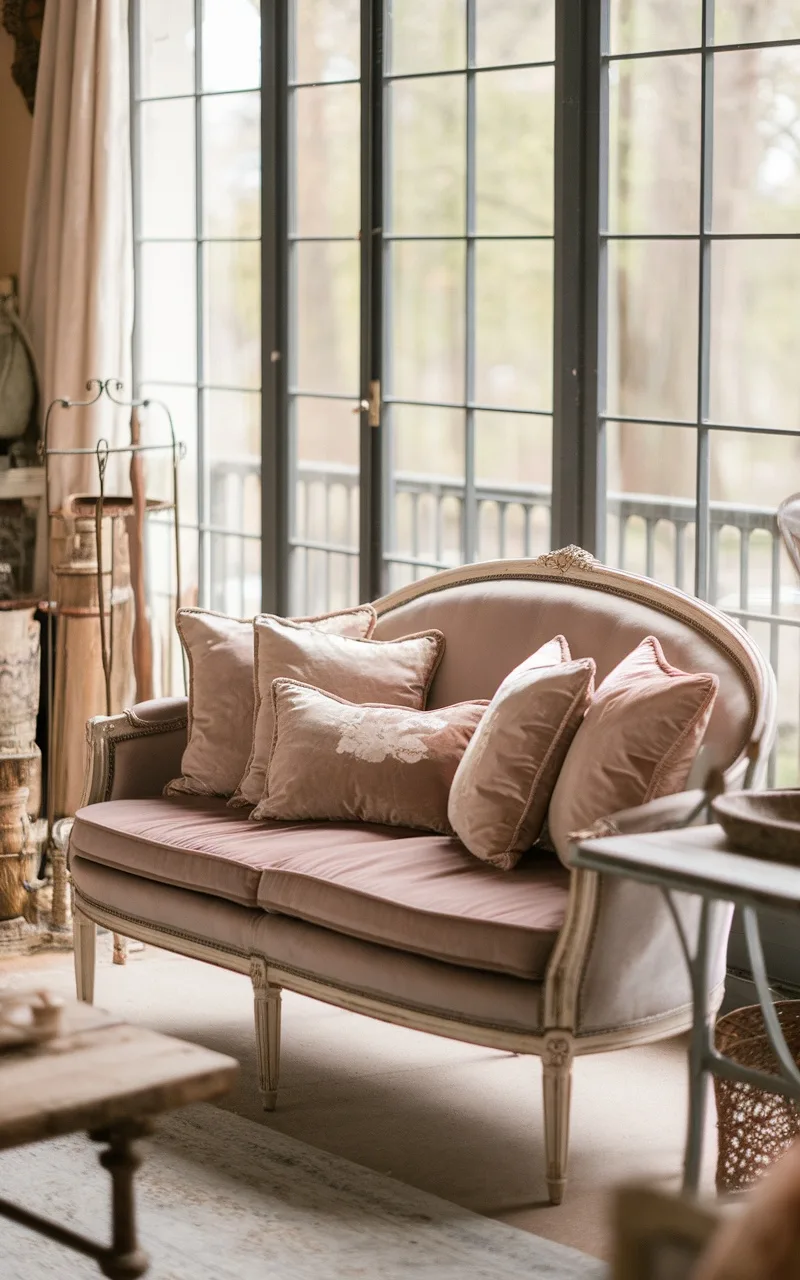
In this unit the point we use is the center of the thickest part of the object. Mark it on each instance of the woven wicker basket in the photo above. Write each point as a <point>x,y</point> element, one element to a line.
<point>754,1127</point>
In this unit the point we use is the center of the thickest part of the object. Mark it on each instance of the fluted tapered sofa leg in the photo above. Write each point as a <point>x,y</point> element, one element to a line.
<point>84,932</point>
<point>557,1085</point>
<point>267,1002</point>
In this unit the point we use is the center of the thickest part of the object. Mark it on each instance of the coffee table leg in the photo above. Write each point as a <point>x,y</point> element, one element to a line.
<point>124,1260</point>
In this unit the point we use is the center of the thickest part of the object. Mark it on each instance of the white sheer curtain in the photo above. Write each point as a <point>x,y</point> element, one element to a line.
<point>76,275</point>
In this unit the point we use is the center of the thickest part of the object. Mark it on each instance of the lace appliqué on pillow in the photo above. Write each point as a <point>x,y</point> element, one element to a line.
<point>374,738</point>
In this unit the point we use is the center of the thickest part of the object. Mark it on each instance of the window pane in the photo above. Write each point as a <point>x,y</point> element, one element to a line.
<point>514,152</point>
<point>326,339</point>
<point>427,122</point>
<point>755,373</point>
<point>182,404</point>
<point>750,476</point>
<point>235,574</point>
<point>232,314</point>
<point>426,35</point>
<point>750,571</point>
<point>166,183</point>
<point>168,303</point>
<point>654,146</point>
<point>427,484</point>
<point>639,25</point>
<point>166,50</point>
<point>326,39</point>
<point>426,334</point>
<point>737,23</point>
<point>756,157</point>
<point>326,435</point>
<point>507,31</point>
<point>514,323</point>
<point>513,472</point>
<point>232,165</point>
<point>233,434</point>
<point>652,332</point>
<point>231,45</point>
<point>651,500</point>
<point>327,146</point>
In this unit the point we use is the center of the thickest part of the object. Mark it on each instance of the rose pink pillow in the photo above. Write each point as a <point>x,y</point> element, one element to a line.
<point>356,762</point>
<point>397,672</point>
<point>637,742</point>
<point>499,798</point>
<point>219,652</point>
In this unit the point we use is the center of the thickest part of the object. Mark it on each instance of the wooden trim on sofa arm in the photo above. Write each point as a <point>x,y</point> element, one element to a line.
<point>103,733</point>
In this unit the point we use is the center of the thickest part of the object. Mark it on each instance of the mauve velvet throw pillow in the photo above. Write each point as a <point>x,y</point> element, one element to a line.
<point>397,672</point>
<point>354,762</point>
<point>637,742</point>
<point>219,652</point>
<point>502,788</point>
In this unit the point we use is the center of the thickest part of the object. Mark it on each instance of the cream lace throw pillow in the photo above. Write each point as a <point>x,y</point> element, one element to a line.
<point>637,742</point>
<point>351,762</point>
<point>219,653</point>
<point>396,672</point>
<point>503,785</point>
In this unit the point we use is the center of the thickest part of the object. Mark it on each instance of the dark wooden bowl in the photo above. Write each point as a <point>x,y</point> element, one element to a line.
<point>765,824</point>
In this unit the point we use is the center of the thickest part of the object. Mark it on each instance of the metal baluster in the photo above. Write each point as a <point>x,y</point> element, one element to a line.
<point>713,564</point>
<point>744,573</point>
<point>775,637</point>
<point>680,552</point>
<point>649,542</point>
<point>502,512</point>
<point>527,513</point>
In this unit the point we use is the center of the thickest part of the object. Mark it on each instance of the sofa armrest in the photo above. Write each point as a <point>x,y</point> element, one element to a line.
<point>619,962</point>
<point>135,754</point>
<point>669,813</point>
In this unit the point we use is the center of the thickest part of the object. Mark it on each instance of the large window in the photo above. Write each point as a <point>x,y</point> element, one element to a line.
<point>196,72</point>
<point>701,258</point>
<point>528,274</point>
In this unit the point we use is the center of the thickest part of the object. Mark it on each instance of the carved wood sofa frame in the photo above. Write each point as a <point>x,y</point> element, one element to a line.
<point>560,1040</point>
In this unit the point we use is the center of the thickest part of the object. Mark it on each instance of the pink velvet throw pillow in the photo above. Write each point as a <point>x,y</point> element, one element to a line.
<point>219,652</point>
<point>502,788</point>
<point>637,742</point>
<point>397,672</point>
<point>354,762</point>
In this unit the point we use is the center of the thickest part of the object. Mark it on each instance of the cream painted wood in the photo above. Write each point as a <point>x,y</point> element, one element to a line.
<point>557,1040</point>
<point>267,1002</point>
<point>557,1058</point>
<point>84,932</point>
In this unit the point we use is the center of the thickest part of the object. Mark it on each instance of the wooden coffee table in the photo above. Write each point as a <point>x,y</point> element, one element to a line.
<point>109,1079</point>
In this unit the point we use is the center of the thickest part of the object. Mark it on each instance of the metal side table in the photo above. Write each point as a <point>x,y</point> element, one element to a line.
<point>699,860</point>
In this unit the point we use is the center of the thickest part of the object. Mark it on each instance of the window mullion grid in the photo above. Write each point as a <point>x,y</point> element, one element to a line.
<point>203,514</point>
<point>292,251</point>
<point>470,523</point>
<point>703,583</point>
<point>372,444</point>
<point>389,544</point>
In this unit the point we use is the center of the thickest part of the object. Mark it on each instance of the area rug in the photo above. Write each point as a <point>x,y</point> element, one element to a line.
<point>222,1198</point>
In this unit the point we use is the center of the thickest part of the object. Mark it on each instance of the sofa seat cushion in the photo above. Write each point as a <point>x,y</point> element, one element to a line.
<point>416,892</point>
<point>426,894</point>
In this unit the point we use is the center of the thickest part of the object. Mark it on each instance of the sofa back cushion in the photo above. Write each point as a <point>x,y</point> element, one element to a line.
<point>636,744</point>
<point>220,657</point>
<point>354,762</point>
<point>492,623</point>
<point>398,673</point>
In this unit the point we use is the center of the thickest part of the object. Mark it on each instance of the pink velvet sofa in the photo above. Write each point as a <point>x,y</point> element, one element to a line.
<point>411,928</point>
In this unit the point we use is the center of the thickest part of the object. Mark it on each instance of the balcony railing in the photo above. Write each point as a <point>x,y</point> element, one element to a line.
<point>646,534</point>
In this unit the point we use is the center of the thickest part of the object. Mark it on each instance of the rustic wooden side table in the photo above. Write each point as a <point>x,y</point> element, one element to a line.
<point>109,1079</point>
<point>699,860</point>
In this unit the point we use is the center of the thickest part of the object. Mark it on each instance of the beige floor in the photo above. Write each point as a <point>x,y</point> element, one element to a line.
<point>462,1122</point>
